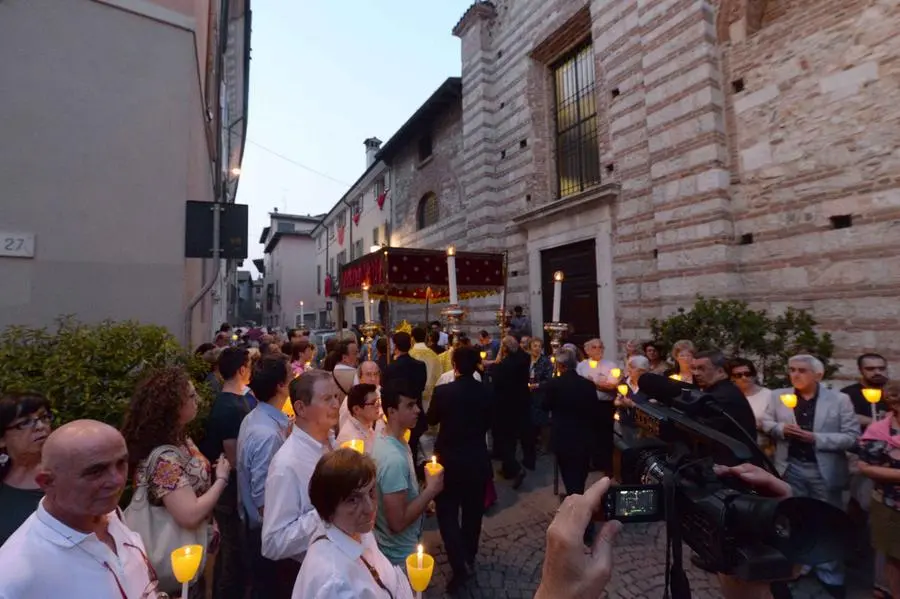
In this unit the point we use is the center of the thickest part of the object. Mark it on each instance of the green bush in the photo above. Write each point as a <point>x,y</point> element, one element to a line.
<point>90,371</point>
<point>732,327</point>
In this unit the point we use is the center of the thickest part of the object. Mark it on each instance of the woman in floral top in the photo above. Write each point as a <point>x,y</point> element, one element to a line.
<point>182,479</point>
<point>879,454</point>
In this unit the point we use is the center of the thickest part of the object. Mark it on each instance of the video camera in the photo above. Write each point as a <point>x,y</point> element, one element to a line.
<point>665,465</point>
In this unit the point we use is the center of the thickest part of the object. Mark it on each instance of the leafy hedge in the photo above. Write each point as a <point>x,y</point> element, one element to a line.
<point>90,371</point>
<point>732,327</point>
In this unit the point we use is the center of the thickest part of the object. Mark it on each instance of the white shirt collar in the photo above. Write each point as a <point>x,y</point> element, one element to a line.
<point>420,346</point>
<point>59,533</point>
<point>342,366</point>
<point>344,542</point>
<point>305,438</point>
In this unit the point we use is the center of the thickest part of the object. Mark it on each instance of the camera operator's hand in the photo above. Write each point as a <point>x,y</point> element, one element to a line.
<point>761,481</point>
<point>571,571</point>
<point>764,483</point>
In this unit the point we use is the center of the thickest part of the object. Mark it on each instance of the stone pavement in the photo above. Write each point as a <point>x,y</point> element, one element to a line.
<point>512,552</point>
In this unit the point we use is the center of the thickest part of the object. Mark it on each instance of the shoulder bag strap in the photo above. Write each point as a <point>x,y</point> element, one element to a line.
<point>334,376</point>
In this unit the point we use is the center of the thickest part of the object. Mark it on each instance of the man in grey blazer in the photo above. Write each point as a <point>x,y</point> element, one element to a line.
<point>811,444</point>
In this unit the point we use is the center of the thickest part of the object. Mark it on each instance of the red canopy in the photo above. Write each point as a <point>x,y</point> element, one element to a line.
<point>411,275</point>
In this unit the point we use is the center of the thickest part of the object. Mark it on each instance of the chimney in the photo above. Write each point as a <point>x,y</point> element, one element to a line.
<point>373,144</point>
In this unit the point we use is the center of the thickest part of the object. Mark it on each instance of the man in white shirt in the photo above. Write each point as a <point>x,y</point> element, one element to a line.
<point>365,408</point>
<point>76,545</point>
<point>368,374</point>
<point>290,519</point>
<point>597,370</point>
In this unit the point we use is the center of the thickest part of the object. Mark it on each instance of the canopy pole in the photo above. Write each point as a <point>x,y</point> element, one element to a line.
<point>387,304</point>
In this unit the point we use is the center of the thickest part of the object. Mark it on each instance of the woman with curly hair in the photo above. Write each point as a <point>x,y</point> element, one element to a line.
<point>179,477</point>
<point>24,426</point>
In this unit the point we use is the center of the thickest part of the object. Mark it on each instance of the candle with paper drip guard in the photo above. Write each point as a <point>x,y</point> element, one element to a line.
<point>675,377</point>
<point>451,275</point>
<point>185,563</point>
<point>557,294</point>
<point>419,568</point>
<point>365,294</point>
<point>483,355</point>
<point>623,390</point>
<point>873,396</point>
<point>789,400</point>
<point>433,467</point>
<point>615,373</point>
<point>355,444</point>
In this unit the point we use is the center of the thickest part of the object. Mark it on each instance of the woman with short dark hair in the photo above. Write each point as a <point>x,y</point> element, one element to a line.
<point>343,559</point>
<point>24,426</point>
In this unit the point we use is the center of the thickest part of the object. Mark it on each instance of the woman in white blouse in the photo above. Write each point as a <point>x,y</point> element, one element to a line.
<point>343,561</point>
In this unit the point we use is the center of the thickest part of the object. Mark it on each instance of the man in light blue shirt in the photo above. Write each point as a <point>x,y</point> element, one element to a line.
<point>262,433</point>
<point>398,523</point>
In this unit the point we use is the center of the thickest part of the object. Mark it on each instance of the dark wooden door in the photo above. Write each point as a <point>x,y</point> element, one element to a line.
<point>578,308</point>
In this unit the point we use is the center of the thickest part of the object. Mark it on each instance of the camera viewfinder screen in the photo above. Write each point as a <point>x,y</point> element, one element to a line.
<point>636,502</point>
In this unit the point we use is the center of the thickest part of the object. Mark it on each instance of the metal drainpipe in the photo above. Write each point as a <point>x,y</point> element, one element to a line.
<point>218,187</point>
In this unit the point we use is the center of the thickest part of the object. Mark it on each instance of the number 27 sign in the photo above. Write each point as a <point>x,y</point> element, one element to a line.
<point>17,245</point>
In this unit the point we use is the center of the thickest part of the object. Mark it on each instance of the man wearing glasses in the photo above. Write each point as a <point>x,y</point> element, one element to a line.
<point>76,545</point>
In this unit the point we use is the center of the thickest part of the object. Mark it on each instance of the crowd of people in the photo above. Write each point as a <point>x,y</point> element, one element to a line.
<point>312,478</point>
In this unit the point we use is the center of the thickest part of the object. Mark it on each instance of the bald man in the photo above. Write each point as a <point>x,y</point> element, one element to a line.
<point>368,373</point>
<point>76,545</point>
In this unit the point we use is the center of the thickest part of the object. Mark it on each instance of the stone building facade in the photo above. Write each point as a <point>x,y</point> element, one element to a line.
<point>660,149</point>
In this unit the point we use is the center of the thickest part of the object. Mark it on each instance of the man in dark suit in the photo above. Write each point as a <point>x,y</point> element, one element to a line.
<point>571,400</point>
<point>405,367</point>
<point>463,411</point>
<point>512,417</point>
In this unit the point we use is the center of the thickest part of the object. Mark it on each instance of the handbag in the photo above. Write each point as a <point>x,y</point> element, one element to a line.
<point>158,529</point>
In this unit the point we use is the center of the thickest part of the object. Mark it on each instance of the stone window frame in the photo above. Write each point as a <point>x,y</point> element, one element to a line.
<point>428,211</point>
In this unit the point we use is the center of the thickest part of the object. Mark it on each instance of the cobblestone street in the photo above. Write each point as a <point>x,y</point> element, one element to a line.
<point>512,552</point>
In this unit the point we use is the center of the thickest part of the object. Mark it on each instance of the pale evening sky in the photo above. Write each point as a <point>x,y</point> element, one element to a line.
<point>324,76</point>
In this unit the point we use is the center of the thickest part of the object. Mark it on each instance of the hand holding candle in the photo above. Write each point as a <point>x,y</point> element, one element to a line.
<point>419,568</point>
<point>433,467</point>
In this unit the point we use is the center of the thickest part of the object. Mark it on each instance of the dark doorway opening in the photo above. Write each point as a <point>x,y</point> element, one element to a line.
<point>578,308</point>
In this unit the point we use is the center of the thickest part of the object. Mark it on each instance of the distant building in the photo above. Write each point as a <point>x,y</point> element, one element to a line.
<point>111,121</point>
<point>289,270</point>
<point>249,298</point>
<point>356,225</point>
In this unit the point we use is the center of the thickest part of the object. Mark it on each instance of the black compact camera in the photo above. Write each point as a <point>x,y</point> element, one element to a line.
<point>665,466</point>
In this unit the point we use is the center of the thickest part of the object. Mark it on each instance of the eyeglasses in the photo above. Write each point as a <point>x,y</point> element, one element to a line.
<point>741,375</point>
<point>32,422</point>
<point>151,592</point>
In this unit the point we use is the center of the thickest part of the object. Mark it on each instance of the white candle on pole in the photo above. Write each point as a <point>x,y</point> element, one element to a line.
<point>365,292</point>
<point>302,319</point>
<point>557,294</point>
<point>451,274</point>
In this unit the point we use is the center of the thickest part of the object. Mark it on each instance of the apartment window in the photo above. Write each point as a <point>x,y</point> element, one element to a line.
<point>379,186</point>
<point>319,242</point>
<point>285,227</point>
<point>428,211</point>
<point>358,250</point>
<point>376,235</point>
<point>319,279</point>
<point>424,147</point>
<point>359,204</point>
<point>577,152</point>
<point>341,259</point>
<point>332,228</point>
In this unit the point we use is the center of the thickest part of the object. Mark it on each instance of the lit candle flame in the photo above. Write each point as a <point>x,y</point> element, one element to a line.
<point>483,355</point>
<point>592,363</point>
<point>789,400</point>
<point>615,373</point>
<point>365,286</point>
<point>675,377</point>
<point>623,390</point>
<point>872,395</point>
<point>451,251</point>
<point>558,275</point>
<point>433,463</point>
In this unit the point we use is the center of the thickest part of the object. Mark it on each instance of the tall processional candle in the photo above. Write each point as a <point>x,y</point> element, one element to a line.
<point>451,275</point>
<point>365,293</point>
<point>302,319</point>
<point>557,294</point>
